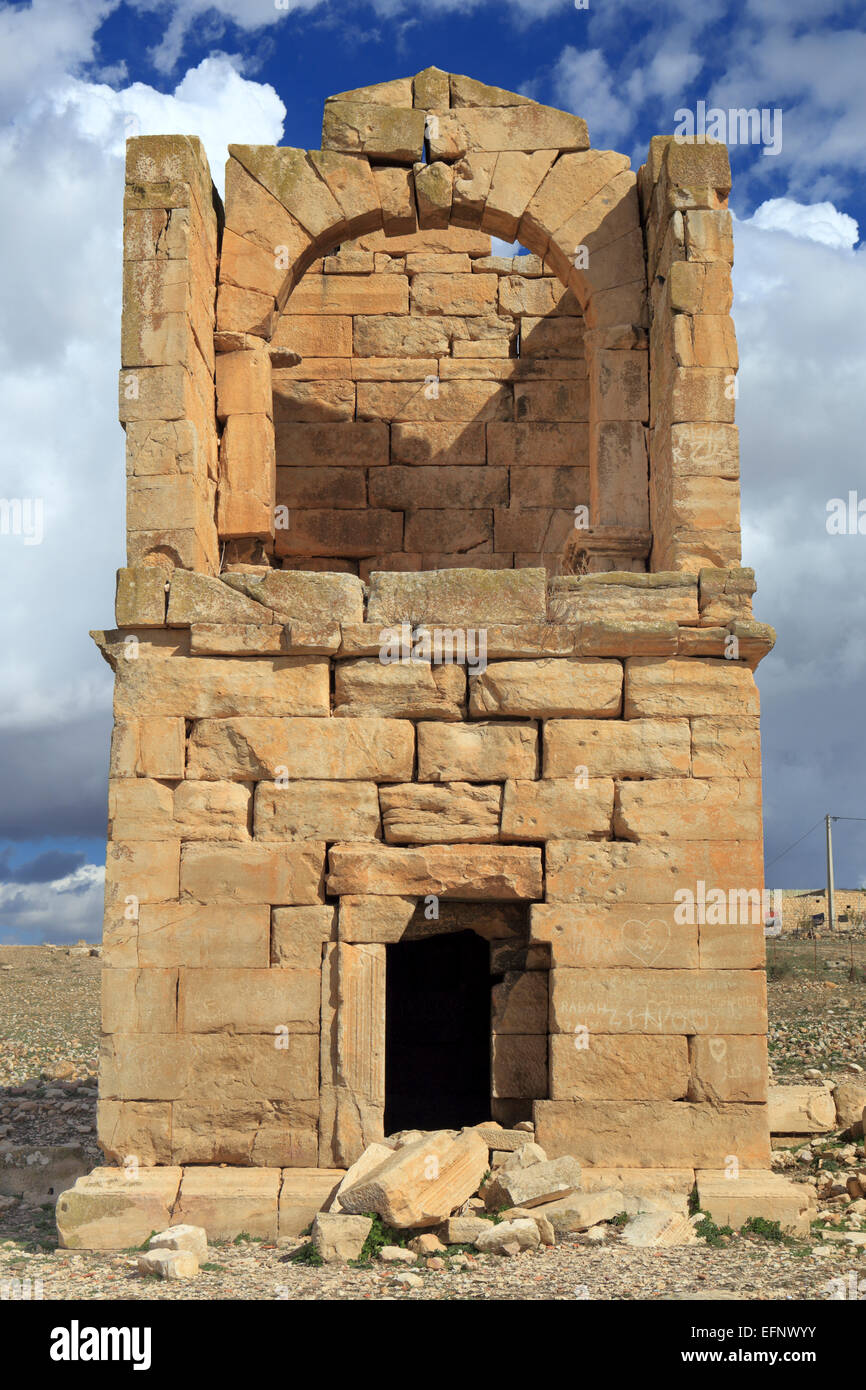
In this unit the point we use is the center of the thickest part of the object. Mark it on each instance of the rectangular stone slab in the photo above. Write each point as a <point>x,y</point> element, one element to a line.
<point>669,1132</point>
<point>228,1201</point>
<point>335,749</point>
<point>710,1002</point>
<point>507,872</point>
<point>544,689</point>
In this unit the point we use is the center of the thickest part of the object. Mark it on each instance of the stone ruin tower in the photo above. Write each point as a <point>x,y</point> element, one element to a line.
<point>434,698</point>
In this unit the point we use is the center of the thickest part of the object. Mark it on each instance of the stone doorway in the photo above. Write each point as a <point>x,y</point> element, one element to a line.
<point>437,1033</point>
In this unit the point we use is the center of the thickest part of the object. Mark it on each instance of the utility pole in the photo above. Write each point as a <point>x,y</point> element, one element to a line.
<point>831,908</point>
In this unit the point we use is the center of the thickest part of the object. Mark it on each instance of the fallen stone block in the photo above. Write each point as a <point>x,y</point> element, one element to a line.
<point>546,1232</point>
<point>339,1238</point>
<point>654,1228</point>
<point>849,1098</point>
<point>462,1230</point>
<point>801,1109</point>
<point>533,1185</point>
<point>397,1255</point>
<point>426,1244</point>
<point>169,1264</point>
<point>192,1239</point>
<point>582,1210</point>
<point>521,1233</point>
<point>422,1183</point>
<point>371,1158</point>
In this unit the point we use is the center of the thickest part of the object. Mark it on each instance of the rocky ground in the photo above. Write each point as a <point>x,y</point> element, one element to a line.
<point>49,1018</point>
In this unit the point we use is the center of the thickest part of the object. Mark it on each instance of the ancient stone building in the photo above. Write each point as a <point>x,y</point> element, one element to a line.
<point>434,698</point>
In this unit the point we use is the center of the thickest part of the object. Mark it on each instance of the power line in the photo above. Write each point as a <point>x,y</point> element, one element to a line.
<point>796,843</point>
<point>809,832</point>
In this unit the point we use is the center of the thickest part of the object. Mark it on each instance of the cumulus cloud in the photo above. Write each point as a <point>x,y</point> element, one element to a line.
<point>798,311</point>
<point>61,164</point>
<point>64,909</point>
<point>584,83</point>
<point>820,222</point>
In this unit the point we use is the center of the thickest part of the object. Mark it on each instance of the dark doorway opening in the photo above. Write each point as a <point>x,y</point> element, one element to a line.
<point>437,1033</point>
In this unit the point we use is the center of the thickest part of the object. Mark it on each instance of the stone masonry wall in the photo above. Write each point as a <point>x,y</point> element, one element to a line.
<point>439,415</point>
<point>297,766</point>
<point>281,798</point>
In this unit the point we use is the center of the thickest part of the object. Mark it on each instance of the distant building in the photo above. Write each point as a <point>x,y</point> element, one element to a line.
<point>805,909</point>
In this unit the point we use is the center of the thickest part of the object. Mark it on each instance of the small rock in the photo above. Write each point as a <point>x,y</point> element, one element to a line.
<point>426,1244</point>
<point>522,1234</point>
<point>409,1281</point>
<point>339,1238</point>
<point>190,1238</point>
<point>169,1264</point>
<point>397,1255</point>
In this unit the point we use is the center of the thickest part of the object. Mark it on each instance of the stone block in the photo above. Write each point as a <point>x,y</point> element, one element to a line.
<point>399,689</point>
<point>439,444</point>
<point>507,872</point>
<point>545,689</point>
<point>422,1183</point>
<point>633,748</point>
<point>688,809</point>
<point>682,686</point>
<point>139,1001</point>
<point>664,597</point>
<point>712,1003</point>
<point>527,128</point>
<point>352,1051</point>
<point>557,809</point>
<point>209,936</point>
<point>140,597</point>
<point>761,1193</point>
<point>387,132</point>
<point>619,1068</point>
<point>255,873</point>
<point>533,1186</point>
<point>211,688</point>
<point>482,752</point>
<point>232,1000</point>
<point>316,810</point>
<point>519,1004</point>
<point>801,1110</point>
<point>110,1209</point>
<point>732,1068</point>
<point>649,873</point>
<point>672,1132</point>
<point>303,1193</point>
<point>144,747</point>
<point>458,812</point>
<point>458,596</point>
<point>339,1238</point>
<point>230,1201</point>
<point>624,936</point>
<point>298,936</point>
<point>375,750</point>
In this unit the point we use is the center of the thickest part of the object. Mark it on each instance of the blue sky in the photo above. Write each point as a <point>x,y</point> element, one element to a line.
<point>76,76</point>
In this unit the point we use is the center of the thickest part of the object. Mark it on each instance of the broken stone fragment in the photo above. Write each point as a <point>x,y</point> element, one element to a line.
<point>339,1238</point>
<point>509,1237</point>
<point>169,1264</point>
<point>529,1187</point>
<point>582,1210</point>
<point>422,1183</point>
<point>659,1228</point>
<point>192,1239</point>
<point>397,1255</point>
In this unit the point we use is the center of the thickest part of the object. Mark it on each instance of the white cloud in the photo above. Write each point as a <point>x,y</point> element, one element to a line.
<point>67,909</point>
<point>798,310</point>
<point>583,83</point>
<point>820,222</point>
<point>62,170</point>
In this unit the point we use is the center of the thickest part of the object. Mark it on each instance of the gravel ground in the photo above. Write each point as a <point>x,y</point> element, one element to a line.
<point>49,1020</point>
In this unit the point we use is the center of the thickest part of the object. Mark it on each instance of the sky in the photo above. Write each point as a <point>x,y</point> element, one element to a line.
<point>78,76</point>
